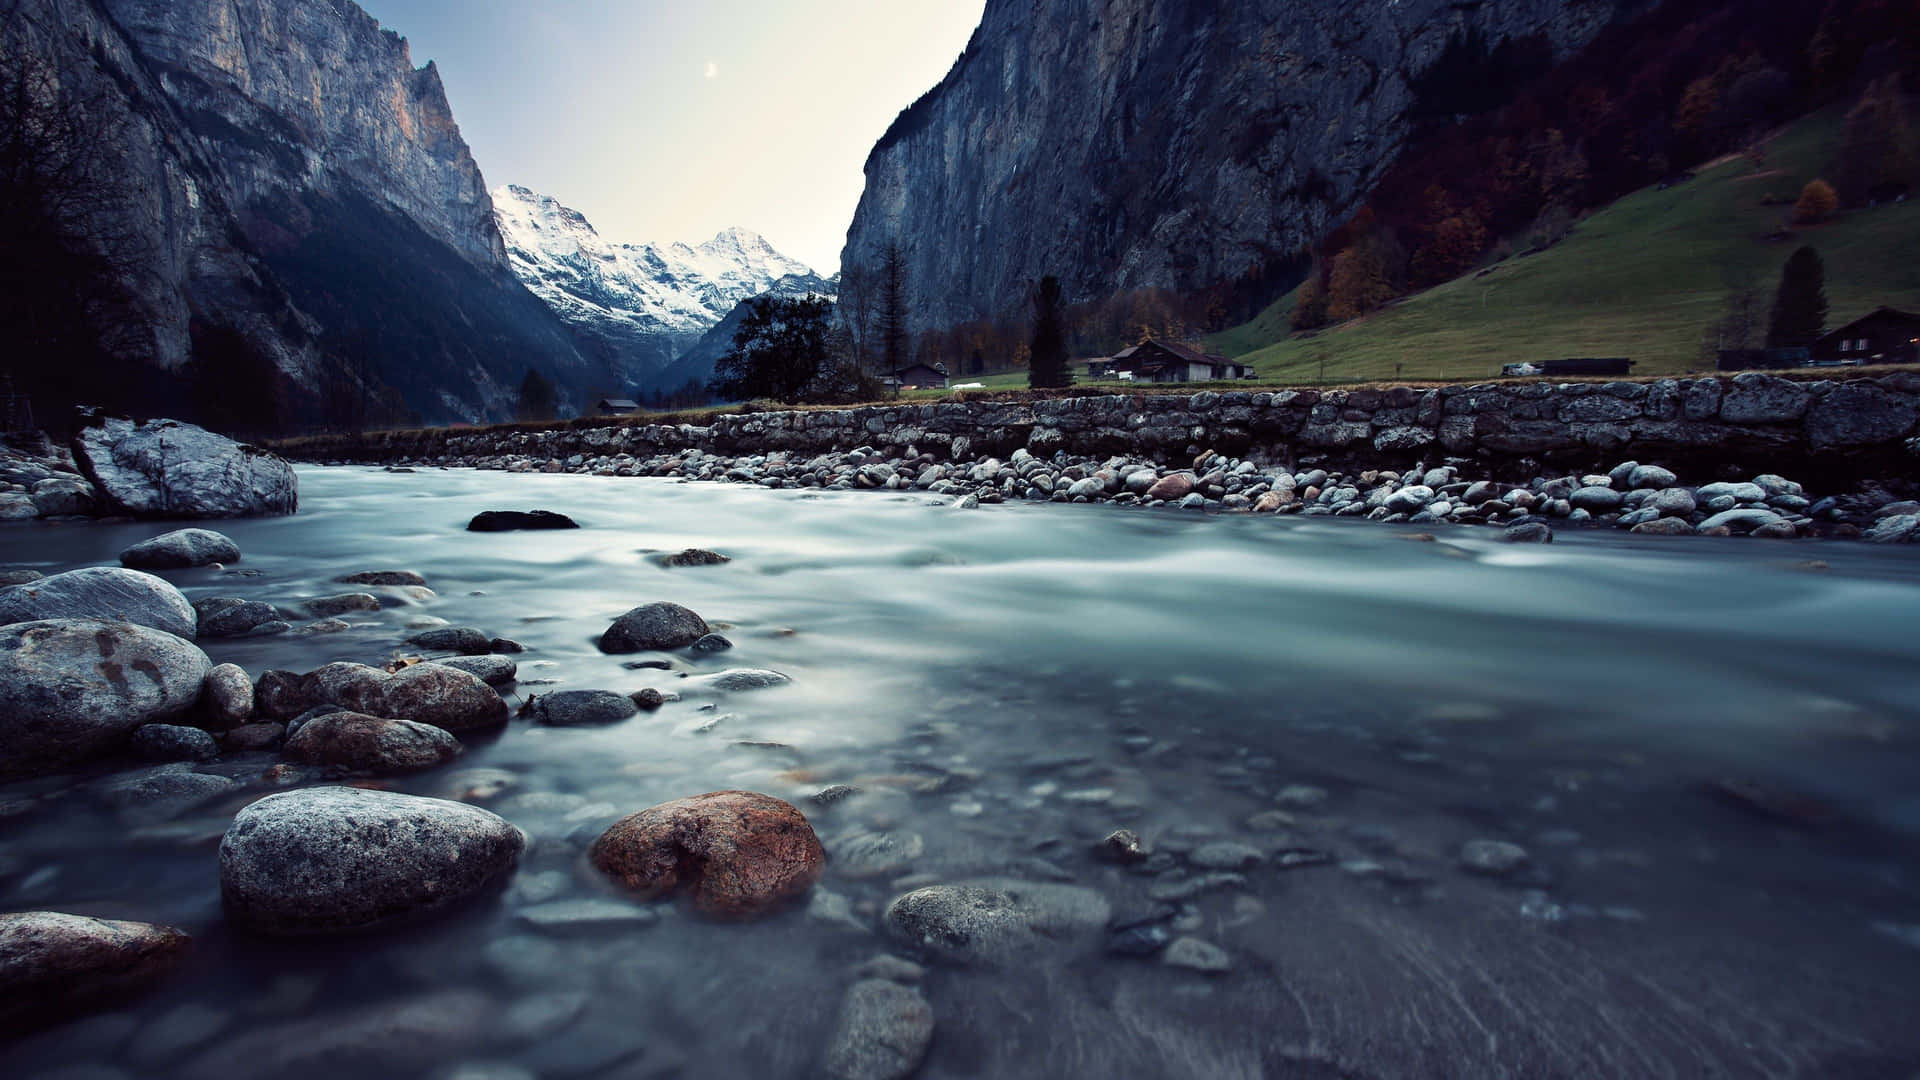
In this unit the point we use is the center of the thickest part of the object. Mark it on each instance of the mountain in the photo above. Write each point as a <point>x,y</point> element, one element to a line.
<point>295,183</point>
<point>636,307</point>
<point>1157,144</point>
<point>696,363</point>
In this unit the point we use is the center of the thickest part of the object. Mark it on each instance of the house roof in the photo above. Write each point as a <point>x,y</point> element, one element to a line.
<point>1174,349</point>
<point>617,403</point>
<point>1876,313</point>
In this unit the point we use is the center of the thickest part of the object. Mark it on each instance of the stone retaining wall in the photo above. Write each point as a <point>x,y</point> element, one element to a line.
<point>1834,433</point>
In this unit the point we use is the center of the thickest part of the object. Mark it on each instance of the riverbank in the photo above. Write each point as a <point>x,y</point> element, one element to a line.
<point>1750,455</point>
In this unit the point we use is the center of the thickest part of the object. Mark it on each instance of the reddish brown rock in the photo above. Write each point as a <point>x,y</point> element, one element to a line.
<point>1177,486</point>
<point>736,853</point>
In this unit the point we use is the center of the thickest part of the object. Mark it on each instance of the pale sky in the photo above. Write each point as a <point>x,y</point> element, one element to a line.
<point>664,121</point>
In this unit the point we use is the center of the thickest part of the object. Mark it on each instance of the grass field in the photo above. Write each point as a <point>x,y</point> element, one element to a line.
<point>1642,278</point>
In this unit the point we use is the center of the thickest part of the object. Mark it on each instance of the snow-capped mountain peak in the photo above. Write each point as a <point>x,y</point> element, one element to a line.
<point>644,302</point>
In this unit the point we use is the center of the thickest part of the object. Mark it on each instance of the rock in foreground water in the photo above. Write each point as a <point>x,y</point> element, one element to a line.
<point>334,859</point>
<point>167,469</point>
<point>736,853</point>
<point>575,708</point>
<point>76,688</point>
<point>102,592</point>
<point>181,549</point>
<point>882,1033</point>
<point>371,744</point>
<point>445,697</point>
<point>995,921</point>
<point>53,965</point>
<point>653,626</point>
<point>518,520</point>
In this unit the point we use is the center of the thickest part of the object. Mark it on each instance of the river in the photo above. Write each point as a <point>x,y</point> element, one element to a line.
<point>1708,749</point>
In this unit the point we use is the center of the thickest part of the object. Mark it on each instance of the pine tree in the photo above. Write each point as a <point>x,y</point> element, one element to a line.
<point>1048,366</point>
<point>1800,306</point>
<point>896,346</point>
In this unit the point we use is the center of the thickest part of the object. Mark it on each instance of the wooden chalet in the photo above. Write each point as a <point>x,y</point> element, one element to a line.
<point>1887,336</point>
<point>918,377</point>
<point>1165,362</point>
<point>617,406</point>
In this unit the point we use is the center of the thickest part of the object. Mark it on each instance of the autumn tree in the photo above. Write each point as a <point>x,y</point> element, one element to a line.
<point>1817,203</point>
<point>1047,366</point>
<point>1362,279</point>
<point>1877,151</point>
<point>1310,304</point>
<point>1799,313</point>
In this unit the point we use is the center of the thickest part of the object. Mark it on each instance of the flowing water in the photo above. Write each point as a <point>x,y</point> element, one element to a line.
<point>1005,686</point>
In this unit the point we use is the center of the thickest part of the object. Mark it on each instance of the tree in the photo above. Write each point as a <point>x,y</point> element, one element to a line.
<point>1800,306</point>
<point>1048,364</point>
<point>896,345</point>
<point>1817,203</point>
<point>71,256</point>
<point>1310,305</point>
<point>1877,151</point>
<point>780,351</point>
<point>1359,282</point>
<point>538,399</point>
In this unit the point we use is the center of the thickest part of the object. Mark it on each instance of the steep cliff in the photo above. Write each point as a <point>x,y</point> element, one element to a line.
<point>297,179</point>
<point>1126,144</point>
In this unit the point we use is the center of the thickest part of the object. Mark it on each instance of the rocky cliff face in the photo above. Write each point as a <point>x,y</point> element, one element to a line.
<point>1125,144</point>
<point>295,177</point>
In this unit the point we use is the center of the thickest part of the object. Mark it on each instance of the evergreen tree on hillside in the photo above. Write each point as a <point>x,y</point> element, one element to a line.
<point>781,350</point>
<point>538,399</point>
<point>895,346</point>
<point>1800,306</point>
<point>1048,365</point>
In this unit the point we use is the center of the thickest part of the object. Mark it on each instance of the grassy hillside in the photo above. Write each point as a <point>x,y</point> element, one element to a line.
<point>1642,278</point>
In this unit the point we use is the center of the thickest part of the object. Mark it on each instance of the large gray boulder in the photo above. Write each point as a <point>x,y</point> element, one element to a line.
<point>54,965</point>
<point>371,744</point>
<point>77,688</point>
<point>424,693</point>
<point>108,593</point>
<point>653,626</point>
<point>337,859</point>
<point>168,469</point>
<point>180,549</point>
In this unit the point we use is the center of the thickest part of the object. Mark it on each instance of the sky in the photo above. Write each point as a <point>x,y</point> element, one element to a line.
<point>665,120</point>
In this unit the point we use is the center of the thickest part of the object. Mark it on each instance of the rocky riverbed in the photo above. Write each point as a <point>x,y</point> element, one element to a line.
<point>1034,792</point>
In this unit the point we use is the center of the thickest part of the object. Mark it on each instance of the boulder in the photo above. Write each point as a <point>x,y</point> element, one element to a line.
<point>58,495</point>
<point>335,859</point>
<point>343,603</point>
<point>492,670</point>
<point>76,688</point>
<point>17,507</point>
<point>996,921</point>
<point>1409,500</point>
<point>1528,532</point>
<point>517,520</point>
<point>181,549</point>
<point>230,616</point>
<point>384,577</point>
<point>1651,476</point>
<point>434,694</point>
<point>1597,500</point>
<point>1894,529</point>
<point>464,640</point>
<point>741,680</point>
<point>694,557</point>
<point>1668,526</point>
<point>1672,502</point>
<point>107,593</point>
<point>371,744</point>
<point>738,854</point>
<point>167,469</point>
<point>54,965</point>
<point>576,708</point>
<point>882,1032</point>
<point>1172,488</point>
<point>659,625</point>
<point>173,742</point>
<point>1740,520</point>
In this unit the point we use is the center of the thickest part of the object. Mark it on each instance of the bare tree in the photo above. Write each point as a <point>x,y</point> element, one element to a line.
<point>71,259</point>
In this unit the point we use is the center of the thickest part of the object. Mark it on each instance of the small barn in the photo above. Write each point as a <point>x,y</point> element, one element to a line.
<point>919,377</point>
<point>616,406</point>
<point>1166,361</point>
<point>1887,336</point>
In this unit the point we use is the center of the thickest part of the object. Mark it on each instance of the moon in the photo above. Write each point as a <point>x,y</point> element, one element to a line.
<point>713,70</point>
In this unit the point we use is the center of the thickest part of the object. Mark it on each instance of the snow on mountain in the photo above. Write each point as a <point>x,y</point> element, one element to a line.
<point>639,305</point>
